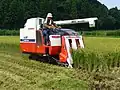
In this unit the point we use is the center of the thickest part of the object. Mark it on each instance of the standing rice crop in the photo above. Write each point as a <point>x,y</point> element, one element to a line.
<point>95,60</point>
<point>100,54</point>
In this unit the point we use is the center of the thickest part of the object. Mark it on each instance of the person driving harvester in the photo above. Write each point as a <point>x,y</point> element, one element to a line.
<point>49,25</point>
<point>49,22</point>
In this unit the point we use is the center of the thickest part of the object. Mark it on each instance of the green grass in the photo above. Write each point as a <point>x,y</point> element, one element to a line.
<point>99,54</point>
<point>102,44</point>
<point>17,72</point>
<point>9,32</point>
<point>101,58</point>
<point>102,33</point>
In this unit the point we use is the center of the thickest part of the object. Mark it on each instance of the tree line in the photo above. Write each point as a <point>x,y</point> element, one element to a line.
<point>14,13</point>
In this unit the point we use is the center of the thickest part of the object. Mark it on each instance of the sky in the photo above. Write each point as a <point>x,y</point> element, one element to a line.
<point>111,3</point>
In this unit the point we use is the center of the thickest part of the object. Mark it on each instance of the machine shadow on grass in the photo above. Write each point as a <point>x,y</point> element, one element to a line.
<point>47,59</point>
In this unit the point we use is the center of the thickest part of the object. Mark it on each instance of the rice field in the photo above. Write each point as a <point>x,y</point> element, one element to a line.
<point>17,72</point>
<point>102,44</point>
<point>99,54</point>
<point>96,67</point>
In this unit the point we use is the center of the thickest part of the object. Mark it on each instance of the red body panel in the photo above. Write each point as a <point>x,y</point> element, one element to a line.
<point>63,55</point>
<point>33,48</point>
<point>54,50</point>
<point>28,47</point>
<point>40,49</point>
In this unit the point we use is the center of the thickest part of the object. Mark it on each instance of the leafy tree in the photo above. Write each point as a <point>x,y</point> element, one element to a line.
<point>107,23</point>
<point>4,10</point>
<point>114,12</point>
<point>14,13</point>
<point>15,16</point>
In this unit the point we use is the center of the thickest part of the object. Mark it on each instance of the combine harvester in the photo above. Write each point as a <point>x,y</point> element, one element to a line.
<point>61,42</point>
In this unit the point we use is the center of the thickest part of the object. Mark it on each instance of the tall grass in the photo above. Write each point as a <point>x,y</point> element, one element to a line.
<point>99,63</point>
<point>96,61</point>
<point>101,59</point>
<point>103,33</point>
<point>19,73</point>
<point>100,54</point>
<point>9,44</point>
<point>9,32</point>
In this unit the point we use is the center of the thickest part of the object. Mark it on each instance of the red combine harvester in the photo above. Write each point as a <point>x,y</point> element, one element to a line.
<point>61,41</point>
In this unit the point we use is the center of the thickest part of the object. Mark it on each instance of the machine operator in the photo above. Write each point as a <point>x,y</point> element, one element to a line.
<point>49,22</point>
<point>49,25</point>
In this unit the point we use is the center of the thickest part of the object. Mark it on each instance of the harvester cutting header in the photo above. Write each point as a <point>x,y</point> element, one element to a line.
<point>43,37</point>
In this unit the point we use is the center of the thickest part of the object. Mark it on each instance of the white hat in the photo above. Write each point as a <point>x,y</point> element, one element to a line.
<point>49,15</point>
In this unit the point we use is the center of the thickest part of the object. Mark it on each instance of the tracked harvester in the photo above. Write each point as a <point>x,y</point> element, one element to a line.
<point>61,41</point>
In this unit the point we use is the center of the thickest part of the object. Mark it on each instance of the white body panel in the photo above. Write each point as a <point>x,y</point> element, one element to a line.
<point>34,23</point>
<point>27,36</point>
<point>74,46</point>
<point>28,33</point>
<point>55,40</point>
<point>91,21</point>
<point>81,42</point>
